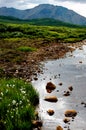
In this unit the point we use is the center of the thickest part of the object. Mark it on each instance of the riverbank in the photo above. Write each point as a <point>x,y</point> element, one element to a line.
<point>25,65</point>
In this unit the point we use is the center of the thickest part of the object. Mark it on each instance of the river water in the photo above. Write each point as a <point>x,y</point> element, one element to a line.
<point>70,71</point>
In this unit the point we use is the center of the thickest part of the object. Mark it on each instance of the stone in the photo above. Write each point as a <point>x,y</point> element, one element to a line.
<point>51,99</point>
<point>50,112</point>
<point>37,123</point>
<point>60,84</point>
<point>50,87</point>
<point>66,93</point>
<point>70,113</point>
<point>80,62</point>
<point>70,88</point>
<point>59,128</point>
<point>66,120</point>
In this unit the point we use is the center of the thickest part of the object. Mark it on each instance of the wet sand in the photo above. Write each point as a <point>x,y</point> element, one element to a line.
<point>64,72</point>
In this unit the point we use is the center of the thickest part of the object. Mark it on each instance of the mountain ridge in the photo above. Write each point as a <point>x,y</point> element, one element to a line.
<point>45,11</point>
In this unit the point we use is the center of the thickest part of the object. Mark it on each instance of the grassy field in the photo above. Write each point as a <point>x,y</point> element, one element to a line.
<point>49,33</point>
<point>18,42</point>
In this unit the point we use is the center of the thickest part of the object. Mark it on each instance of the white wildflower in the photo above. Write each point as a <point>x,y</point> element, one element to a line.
<point>8,105</point>
<point>13,85</point>
<point>23,92</point>
<point>14,102</point>
<point>23,97</point>
<point>17,111</point>
<point>6,90</point>
<point>28,101</point>
<point>2,94</point>
<point>0,98</point>
<point>20,102</point>
<point>7,111</point>
<point>7,85</point>
<point>11,116</point>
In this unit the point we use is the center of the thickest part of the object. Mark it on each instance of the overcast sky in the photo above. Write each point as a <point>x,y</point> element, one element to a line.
<point>78,6</point>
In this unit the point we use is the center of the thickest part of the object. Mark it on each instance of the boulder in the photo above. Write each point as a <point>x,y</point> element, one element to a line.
<point>50,87</point>
<point>59,128</point>
<point>70,113</point>
<point>51,99</point>
<point>50,112</point>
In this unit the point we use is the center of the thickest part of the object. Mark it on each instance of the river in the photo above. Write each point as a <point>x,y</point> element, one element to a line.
<point>70,71</point>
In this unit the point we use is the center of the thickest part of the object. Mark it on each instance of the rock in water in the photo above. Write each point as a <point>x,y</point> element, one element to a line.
<point>59,128</point>
<point>50,112</point>
<point>50,87</point>
<point>70,88</point>
<point>70,113</point>
<point>66,120</point>
<point>51,99</point>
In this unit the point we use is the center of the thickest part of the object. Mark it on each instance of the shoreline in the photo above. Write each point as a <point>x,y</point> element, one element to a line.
<point>29,67</point>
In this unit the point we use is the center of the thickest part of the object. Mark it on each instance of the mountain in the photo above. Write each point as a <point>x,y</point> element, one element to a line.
<point>45,11</point>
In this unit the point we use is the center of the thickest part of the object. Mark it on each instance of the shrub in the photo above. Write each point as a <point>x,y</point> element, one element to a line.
<point>16,104</point>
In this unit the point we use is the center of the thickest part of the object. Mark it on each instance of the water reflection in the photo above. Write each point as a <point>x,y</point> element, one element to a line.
<point>70,71</point>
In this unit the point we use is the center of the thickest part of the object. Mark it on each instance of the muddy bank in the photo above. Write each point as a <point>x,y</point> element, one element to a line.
<point>28,67</point>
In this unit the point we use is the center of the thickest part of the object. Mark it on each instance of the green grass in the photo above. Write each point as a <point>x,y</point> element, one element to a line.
<point>17,101</point>
<point>26,49</point>
<point>48,33</point>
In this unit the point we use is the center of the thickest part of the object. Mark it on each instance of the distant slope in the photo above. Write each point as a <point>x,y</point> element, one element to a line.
<point>4,11</point>
<point>50,22</point>
<point>45,11</point>
<point>39,22</point>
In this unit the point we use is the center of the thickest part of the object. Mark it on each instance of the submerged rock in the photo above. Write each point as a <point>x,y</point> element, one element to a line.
<point>51,99</point>
<point>50,87</point>
<point>70,113</point>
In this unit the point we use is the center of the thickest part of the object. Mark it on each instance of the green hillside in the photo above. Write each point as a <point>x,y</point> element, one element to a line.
<point>59,33</point>
<point>40,22</point>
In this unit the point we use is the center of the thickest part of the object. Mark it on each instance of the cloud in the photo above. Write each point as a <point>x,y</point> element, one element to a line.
<point>77,1</point>
<point>22,4</point>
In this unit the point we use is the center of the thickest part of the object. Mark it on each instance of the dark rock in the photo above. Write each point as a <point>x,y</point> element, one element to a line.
<point>51,99</point>
<point>66,120</point>
<point>59,128</point>
<point>80,62</point>
<point>37,123</point>
<point>70,88</point>
<point>50,112</point>
<point>35,78</point>
<point>66,93</point>
<point>70,113</point>
<point>60,84</point>
<point>50,87</point>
